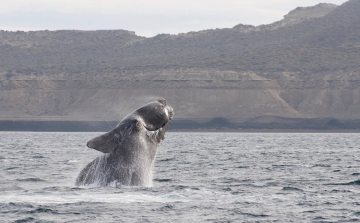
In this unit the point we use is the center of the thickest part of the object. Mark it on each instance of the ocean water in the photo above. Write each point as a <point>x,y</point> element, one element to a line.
<point>199,177</point>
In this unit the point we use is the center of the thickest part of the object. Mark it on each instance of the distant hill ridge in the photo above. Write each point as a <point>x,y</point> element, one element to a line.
<point>305,13</point>
<point>304,66</point>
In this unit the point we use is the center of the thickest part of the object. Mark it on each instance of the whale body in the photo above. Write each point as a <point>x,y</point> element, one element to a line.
<point>129,149</point>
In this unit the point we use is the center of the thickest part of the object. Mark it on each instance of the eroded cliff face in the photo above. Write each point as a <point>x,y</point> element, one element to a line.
<point>194,95</point>
<point>305,66</point>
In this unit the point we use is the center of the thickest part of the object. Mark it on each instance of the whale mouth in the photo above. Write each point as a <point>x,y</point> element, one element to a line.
<point>154,130</point>
<point>150,130</point>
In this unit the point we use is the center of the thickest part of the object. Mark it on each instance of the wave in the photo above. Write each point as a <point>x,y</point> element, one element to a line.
<point>31,179</point>
<point>252,215</point>
<point>356,182</point>
<point>11,168</point>
<point>42,210</point>
<point>162,180</point>
<point>29,219</point>
<point>292,189</point>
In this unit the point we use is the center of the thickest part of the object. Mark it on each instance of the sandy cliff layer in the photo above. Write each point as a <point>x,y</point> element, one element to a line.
<point>245,97</point>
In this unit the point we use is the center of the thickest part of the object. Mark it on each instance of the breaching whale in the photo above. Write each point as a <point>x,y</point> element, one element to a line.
<point>129,149</point>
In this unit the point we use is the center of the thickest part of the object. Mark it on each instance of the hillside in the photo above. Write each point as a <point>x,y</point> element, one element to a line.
<point>304,66</point>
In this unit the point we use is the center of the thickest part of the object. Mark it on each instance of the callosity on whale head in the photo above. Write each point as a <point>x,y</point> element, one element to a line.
<point>129,148</point>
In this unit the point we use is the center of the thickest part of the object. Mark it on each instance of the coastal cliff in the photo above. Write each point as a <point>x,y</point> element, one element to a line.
<point>305,66</point>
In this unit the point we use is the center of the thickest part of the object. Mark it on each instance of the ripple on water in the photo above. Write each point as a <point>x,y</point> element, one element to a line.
<point>356,182</point>
<point>23,220</point>
<point>291,189</point>
<point>31,179</point>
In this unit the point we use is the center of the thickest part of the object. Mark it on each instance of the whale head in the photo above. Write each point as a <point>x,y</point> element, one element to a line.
<point>154,115</point>
<point>150,120</point>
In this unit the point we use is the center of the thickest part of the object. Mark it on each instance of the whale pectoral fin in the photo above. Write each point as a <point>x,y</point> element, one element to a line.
<point>105,143</point>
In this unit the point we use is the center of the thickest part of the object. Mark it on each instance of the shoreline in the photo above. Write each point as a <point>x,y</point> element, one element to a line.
<point>264,131</point>
<point>302,126</point>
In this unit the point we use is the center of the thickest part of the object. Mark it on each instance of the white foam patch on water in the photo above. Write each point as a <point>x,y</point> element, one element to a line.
<point>72,161</point>
<point>61,198</point>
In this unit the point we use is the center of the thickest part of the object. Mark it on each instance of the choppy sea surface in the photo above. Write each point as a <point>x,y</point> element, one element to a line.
<point>199,177</point>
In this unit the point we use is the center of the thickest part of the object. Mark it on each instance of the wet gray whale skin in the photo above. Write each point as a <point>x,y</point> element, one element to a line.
<point>129,148</point>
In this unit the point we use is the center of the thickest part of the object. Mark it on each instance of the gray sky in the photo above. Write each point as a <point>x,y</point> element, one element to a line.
<point>145,17</point>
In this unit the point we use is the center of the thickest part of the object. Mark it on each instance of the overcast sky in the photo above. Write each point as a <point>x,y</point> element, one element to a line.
<point>145,17</point>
